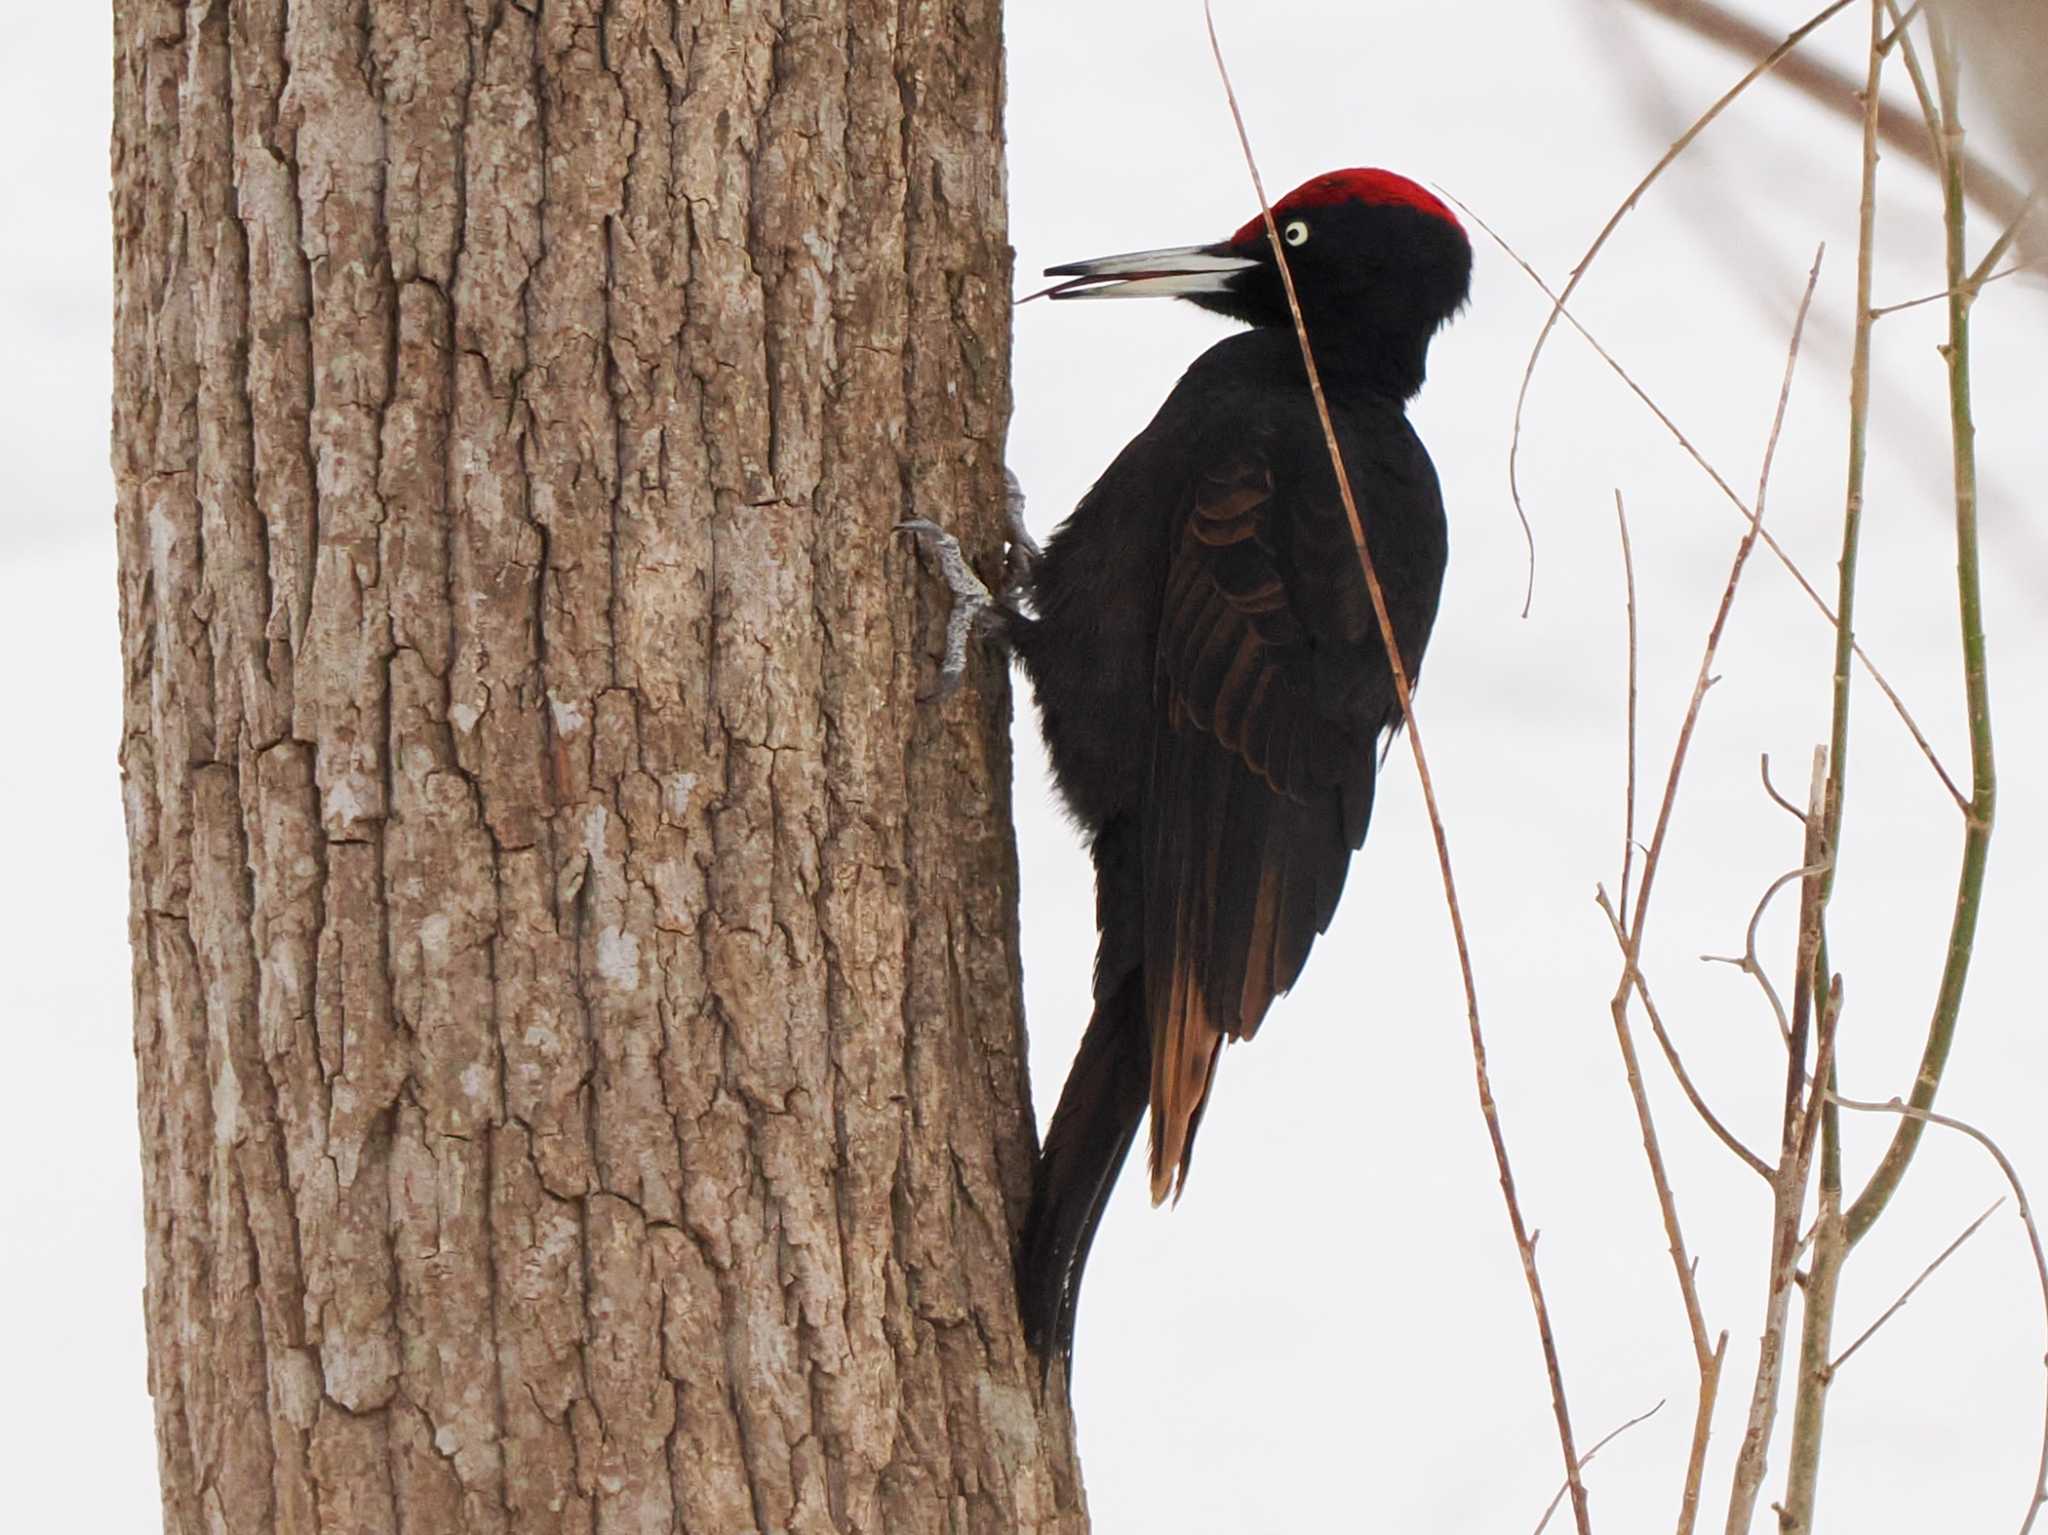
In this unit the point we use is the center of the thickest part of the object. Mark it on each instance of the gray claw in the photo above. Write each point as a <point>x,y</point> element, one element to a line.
<point>972,600</point>
<point>1013,507</point>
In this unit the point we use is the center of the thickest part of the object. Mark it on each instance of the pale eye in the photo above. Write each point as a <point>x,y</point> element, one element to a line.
<point>1296,232</point>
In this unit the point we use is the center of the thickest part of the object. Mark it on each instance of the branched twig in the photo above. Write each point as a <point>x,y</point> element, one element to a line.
<point>1976,284</point>
<point>1585,262</point>
<point>1836,91</point>
<point>1795,1154</point>
<point>1524,1243</point>
<point>1835,1364</point>
<point>1707,1361</point>
<point>1747,961</point>
<point>1830,1231</point>
<point>1754,1162</point>
<point>2019,1193</point>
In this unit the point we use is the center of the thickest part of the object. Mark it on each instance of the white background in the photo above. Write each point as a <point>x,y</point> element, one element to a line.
<point>1331,1331</point>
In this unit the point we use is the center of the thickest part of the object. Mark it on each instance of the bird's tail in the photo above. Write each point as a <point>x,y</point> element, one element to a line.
<point>1091,1132</point>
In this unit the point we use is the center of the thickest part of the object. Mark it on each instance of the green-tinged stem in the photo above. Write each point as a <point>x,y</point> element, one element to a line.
<point>1823,1280</point>
<point>1816,1341</point>
<point>1870,1204</point>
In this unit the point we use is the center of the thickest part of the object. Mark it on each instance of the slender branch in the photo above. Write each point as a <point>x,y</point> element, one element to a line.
<point>1755,1163</point>
<point>1891,38</point>
<point>1936,155</point>
<point>1927,1273</point>
<point>1708,1361</point>
<point>1747,961</point>
<point>1884,1183</point>
<point>1801,1117</point>
<point>1728,493</point>
<point>1585,263</point>
<point>1835,90</point>
<point>1831,1243</point>
<point>1976,284</point>
<point>1980,274</point>
<point>2012,1178</point>
<point>1587,1459</point>
<point>1628,573</point>
<point>1771,789</point>
<point>1524,1243</point>
<point>1704,680</point>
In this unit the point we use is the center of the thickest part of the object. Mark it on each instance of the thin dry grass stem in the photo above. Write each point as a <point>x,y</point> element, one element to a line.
<point>1727,1137</point>
<point>1729,493</point>
<point>1927,1273</point>
<point>1525,1244</point>
<point>1628,572</point>
<point>1587,1459</point>
<point>2012,1178</point>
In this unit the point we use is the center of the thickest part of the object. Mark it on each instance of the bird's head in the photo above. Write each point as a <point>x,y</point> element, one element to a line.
<point>1379,264</point>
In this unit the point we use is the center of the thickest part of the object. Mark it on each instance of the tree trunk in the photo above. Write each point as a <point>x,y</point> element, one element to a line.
<point>576,985</point>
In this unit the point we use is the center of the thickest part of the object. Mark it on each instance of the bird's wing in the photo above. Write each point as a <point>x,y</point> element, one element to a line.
<point>1270,690</point>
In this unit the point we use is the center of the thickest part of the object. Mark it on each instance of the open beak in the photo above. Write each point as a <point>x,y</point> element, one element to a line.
<point>1186,269</point>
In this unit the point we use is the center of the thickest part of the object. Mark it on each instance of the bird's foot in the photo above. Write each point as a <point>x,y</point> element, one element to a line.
<point>1024,553</point>
<point>974,606</point>
<point>977,610</point>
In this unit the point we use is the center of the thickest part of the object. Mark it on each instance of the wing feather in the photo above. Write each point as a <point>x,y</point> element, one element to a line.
<point>1271,690</point>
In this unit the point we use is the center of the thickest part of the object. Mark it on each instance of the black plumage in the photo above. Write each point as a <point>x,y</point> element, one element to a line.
<point>1211,679</point>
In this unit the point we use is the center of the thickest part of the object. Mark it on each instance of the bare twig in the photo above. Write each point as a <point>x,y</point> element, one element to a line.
<point>1587,1459</point>
<point>1708,1361</point>
<point>1927,1273</point>
<point>1831,1241</point>
<point>1789,1192</point>
<point>1747,961</point>
<point>2012,1178</point>
<point>1764,767</point>
<point>1891,1170</point>
<point>1835,91</point>
<point>1891,38</point>
<point>1977,284</point>
<point>1755,1163</point>
<point>1704,680</point>
<point>1936,155</point>
<point>1524,1243</point>
<point>1628,573</point>
<point>1585,262</point>
<point>1730,494</point>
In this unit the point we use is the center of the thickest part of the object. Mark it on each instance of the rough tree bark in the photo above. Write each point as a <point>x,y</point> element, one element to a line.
<point>576,981</point>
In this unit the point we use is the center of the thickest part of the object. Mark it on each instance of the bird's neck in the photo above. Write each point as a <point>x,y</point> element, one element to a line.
<point>1362,360</point>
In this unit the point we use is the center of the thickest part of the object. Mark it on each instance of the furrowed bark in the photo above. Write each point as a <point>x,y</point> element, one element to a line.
<point>577,1026</point>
